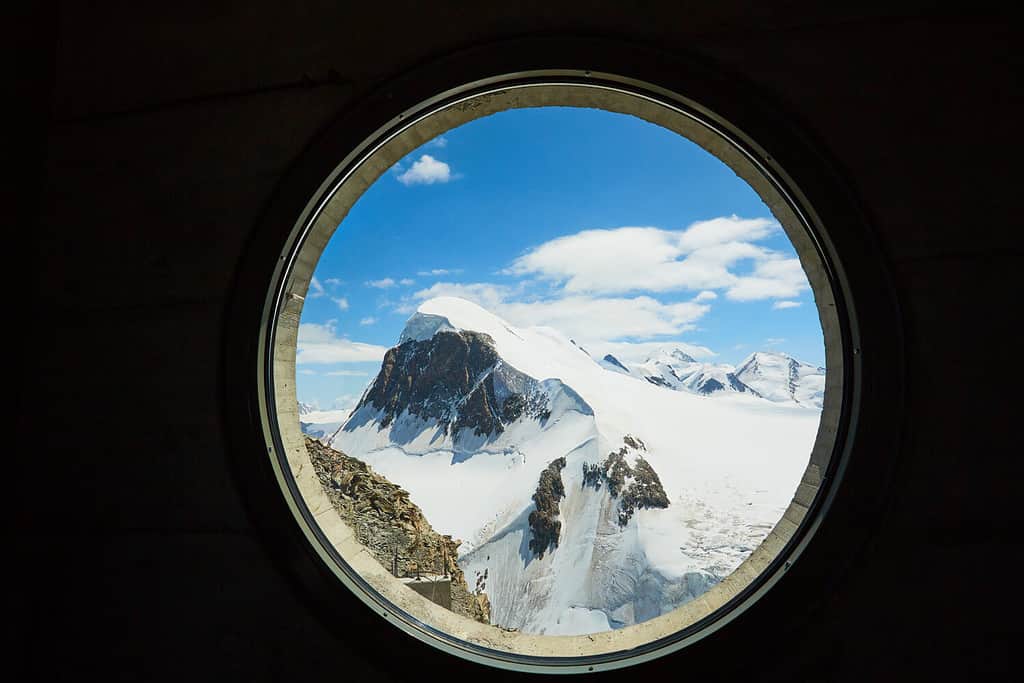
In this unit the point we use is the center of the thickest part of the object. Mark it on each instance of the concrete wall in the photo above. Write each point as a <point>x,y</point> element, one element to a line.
<point>435,590</point>
<point>167,130</point>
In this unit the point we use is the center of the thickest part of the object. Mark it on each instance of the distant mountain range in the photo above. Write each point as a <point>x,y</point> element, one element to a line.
<point>765,374</point>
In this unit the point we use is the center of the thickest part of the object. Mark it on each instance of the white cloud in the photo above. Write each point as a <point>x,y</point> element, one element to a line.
<point>775,277</point>
<point>602,282</point>
<point>701,257</point>
<point>488,295</point>
<point>406,281</point>
<point>384,301</point>
<point>439,271</point>
<point>307,371</point>
<point>406,307</point>
<point>342,303</point>
<point>578,316</point>
<point>319,343</point>
<point>347,373</point>
<point>638,352</point>
<point>369,320</point>
<point>439,142</point>
<point>346,403</point>
<point>426,171</point>
<point>334,281</point>
<point>593,318</point>
<point>725,230</point>
<point>780,305</point>
<point>773,341</point>
<point>383,283</point>
<point>315,289</point>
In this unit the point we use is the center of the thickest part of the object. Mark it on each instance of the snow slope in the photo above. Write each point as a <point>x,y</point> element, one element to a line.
<point>779,377</point>
<point>321,424</point>
<point>729,467</point>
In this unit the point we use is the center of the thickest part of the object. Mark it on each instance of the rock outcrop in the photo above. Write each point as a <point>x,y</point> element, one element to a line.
<point>457,379</point>
<point>544,520</point>
<point>392,527</point>
<point>636,486</point>
<point>609,358</point>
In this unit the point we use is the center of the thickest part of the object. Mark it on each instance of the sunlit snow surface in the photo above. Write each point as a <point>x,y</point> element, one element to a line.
<point>729,463</point>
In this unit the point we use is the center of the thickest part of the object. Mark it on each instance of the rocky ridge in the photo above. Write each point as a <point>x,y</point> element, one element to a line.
<point>635,485</point>
<point>769,375</point>
<point>544,523</point>
<point>456,379</point>
<point>392,527</point>
<point>778,376</point>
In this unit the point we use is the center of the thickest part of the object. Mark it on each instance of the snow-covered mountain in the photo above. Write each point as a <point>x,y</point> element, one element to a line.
<point>320,424</point>
<point>444,387</point>
<point>769,375</point>
<point>779,377</point>
<point>586,498</point>
<point>674,369</point>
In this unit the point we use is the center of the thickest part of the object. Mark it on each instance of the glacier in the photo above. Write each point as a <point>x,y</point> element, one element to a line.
<point>728,465</point>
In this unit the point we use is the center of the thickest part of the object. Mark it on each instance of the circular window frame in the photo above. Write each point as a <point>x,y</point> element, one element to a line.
<point>337,543</point>
<point>298,547</point>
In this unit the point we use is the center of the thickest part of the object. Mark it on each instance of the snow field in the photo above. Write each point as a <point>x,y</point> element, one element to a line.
<point>729,464</point>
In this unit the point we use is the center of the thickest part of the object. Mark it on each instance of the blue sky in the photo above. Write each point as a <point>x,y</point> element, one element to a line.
<point>620,233</point>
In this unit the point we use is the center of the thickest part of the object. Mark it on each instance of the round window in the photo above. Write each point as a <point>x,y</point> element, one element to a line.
<point>554,372</point>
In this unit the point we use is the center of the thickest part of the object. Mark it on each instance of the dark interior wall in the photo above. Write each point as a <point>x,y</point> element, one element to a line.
<point>166,133</point>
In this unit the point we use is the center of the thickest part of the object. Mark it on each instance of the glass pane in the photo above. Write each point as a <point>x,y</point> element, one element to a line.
<point>560,370</point>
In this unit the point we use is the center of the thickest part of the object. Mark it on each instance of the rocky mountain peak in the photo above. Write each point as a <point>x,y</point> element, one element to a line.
<point>681,356</point>
<point>779,376</point>
<point>455,378</point>
<point>670,356</point>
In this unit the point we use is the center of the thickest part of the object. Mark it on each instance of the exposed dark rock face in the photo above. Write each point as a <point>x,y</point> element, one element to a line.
<point>457,379</point>
<point>634,442</point>
<point>660,381</point>
<point>645,491</point>
<point>738,385</point>
<point>609,358</point>
<point>636,486</point>
<point>711,386</point>
<point>681,355</point>
<point>543,521</point>
<point>391,526</point>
